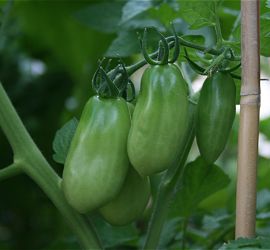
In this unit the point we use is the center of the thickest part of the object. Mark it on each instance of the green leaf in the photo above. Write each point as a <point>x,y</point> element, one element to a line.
<point>142,21</point>
<point>247,243</point>
<point>124,45</point>
<point>265,35</point>
<point>198,13</point>
<point>265,127</point>
<point>133,8</point>
<point>111,236</point>
<point>63,139</point>
<point>169,231</point>
<point>103,17</point>
<point>199,181</point>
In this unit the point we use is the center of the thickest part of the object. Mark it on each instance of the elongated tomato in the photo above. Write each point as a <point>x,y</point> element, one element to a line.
<point>97,160</point>
<point>216,112</point>
<point>159,119</point>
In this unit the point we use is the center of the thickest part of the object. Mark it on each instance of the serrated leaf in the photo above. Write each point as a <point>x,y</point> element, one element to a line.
<point>247,243</point>
<point>198,13</point>
<point>124,45</point>
<point>199,181</point>
<point>103,17</point>
<point>63,139</point>
<point>133,8</point>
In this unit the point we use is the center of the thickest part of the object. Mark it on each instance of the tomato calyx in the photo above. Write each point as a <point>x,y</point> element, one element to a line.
<point>163,50</point>
<point>113,83</point>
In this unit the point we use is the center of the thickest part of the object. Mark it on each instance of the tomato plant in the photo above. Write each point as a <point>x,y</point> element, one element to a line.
<point>124,179</point>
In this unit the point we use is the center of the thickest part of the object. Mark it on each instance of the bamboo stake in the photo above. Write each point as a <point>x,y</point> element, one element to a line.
<point>249,121</point>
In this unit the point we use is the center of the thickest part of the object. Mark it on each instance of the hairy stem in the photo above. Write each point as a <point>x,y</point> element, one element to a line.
<point>32,162</point>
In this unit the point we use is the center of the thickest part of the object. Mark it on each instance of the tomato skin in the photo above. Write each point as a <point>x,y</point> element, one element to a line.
<point>97,161</point>
<point>130,203</point>
<point>216,112</point>
<point>159,119</point>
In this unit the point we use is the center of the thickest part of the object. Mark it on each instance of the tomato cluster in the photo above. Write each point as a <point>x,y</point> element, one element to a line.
<point>115,150</point>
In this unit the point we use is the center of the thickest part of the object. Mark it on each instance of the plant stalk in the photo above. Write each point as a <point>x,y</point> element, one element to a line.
<point>32,162</point>
<point>10,171</point>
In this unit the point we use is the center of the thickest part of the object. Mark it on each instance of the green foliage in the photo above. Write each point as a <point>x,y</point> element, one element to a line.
<point>198,13</point>
<point>103,16</point>
<point>244,243</point>
<point>265,127</point>
<point>63,139</point>
<point>199,181</point>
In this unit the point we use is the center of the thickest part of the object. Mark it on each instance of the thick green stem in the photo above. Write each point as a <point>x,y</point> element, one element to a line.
<point>10,171</point>
<point>171,179</point>
<point>32,162</point>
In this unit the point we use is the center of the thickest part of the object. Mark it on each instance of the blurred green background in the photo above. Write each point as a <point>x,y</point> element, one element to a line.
<point>48,53</point>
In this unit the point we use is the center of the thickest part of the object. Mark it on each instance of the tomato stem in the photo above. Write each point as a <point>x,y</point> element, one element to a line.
<point>132,68</point>
<point>176,46</point>
<point>10,171</point>
<point>28,158</point>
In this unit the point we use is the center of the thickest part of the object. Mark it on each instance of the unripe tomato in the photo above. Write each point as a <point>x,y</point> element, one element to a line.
<point>130,203</point>
<point>97,161</point>
<point>159,119</point>
<point>216,112</point>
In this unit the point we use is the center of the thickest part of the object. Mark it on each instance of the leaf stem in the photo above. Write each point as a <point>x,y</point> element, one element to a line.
<point>10,171</point>
<point>33,163</point>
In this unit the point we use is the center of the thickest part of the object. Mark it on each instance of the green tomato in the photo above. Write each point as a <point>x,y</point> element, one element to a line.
<point>159,120</point>
<point>130,203</point>
<point>97,161</point>
<point>216,112</point>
